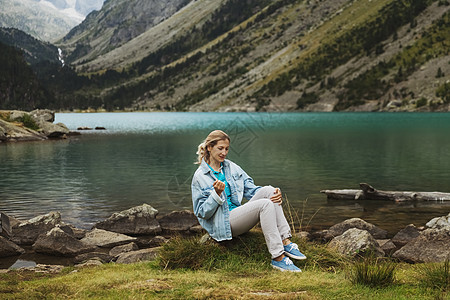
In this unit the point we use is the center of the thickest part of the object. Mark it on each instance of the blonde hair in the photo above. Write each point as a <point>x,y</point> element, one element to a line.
<point>211,140</point>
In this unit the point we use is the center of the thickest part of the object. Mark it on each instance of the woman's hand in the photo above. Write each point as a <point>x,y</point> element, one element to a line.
<point>219,186</point>
<point>276,198</point>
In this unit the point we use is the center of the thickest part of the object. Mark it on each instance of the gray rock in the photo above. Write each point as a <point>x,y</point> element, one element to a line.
<point>123,249</point>
<point>388,246</point>
<point>150,242</point>
<point>197,229</point>
<point>432,245</point>
<point>178,221</point>
<point>139,220</point>
<point>356,242</point>
<point>14,132</point>
<point>3,136</point>
<point>45,115</point>
<point>8,248</point>
<point>57,242</point>
<point>103,238</point>
<point>51,130</point>
<point>45,269</point>
<point>138,256</point>
<point>340,228</point>
<point>439,223</point>
<point>303,235</point>
<point>26,233</point>
<point>73,231</point>
<point>15,115</point>
<point>405,235</point>
<point>103,257</point>
<point>90,263</point>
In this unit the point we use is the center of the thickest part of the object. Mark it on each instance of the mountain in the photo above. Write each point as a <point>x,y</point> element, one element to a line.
<point>34,50</point>
<point>258,55</point>
<point>19,85</point>
<point>47,20</point>
<point>118,22</point>
<point>281,55</point>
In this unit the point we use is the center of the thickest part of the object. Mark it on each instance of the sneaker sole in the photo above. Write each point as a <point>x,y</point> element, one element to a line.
<point>294,256</point>
<point>284,270</point>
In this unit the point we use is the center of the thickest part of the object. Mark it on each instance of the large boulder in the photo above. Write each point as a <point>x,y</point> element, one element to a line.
<point>45,115</point>
<point>439,223</point>
<point>138,256</point>
<point>57,242</point>
<point>139,220</point>
<point>405,235</point>
<point>178,221</point>
<point>51,130</point>
<point>106,239</point>
<point>26,233</point>
<point>14,132</point>
<point>432,245</point>
<point>356,242</point>
<point>340,228</point>
<point>8,248</point>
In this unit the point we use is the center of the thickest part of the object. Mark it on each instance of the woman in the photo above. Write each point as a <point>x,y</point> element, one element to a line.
<point>218,187</point>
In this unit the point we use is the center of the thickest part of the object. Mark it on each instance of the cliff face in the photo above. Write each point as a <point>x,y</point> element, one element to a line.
<point>116,23</point>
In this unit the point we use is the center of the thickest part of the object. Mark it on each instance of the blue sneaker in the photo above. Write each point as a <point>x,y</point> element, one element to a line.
<point>292,251</point>
<point>285,265</point>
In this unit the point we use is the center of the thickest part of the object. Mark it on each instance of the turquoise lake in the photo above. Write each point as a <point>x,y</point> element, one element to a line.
<point>149,158</point>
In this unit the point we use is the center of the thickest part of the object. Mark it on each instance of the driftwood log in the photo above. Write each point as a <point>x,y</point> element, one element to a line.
<point>367,192</point>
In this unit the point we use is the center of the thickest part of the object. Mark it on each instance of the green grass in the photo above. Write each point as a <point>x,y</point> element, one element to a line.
<point>373,272</point>
<point>234,270</point>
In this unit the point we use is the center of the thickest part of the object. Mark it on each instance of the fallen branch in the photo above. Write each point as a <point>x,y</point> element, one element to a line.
<point>367,192</point>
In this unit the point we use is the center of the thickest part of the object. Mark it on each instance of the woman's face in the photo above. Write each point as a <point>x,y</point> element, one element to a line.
<point>219,151</point>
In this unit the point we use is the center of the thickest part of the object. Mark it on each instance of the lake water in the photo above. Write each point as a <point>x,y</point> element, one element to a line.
<point>148,158</point>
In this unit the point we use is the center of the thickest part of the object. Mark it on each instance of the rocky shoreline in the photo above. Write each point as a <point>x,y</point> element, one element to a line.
<point>136,235</point>
<point>37,125</point>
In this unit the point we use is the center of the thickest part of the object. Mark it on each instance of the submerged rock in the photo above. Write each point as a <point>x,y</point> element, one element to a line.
<point>139,220</point>
<point>356,242</point>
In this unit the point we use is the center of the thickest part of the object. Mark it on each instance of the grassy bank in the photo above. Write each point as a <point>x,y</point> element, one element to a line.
<point>238,270</point>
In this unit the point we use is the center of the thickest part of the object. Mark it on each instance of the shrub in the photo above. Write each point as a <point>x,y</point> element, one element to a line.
<point>28,122</point>
<point>421,102</point>
<point>373,272</point>
<point>436,276</point>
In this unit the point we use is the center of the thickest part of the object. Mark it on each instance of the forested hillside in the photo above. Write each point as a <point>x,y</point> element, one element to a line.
<point>288,55</point>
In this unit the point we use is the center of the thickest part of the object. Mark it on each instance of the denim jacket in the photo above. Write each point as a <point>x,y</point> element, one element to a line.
<point>210,208</point>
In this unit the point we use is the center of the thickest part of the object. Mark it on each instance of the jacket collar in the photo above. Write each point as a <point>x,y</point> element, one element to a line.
<point>204,166</point>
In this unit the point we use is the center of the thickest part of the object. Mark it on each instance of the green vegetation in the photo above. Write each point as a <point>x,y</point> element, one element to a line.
<point>436,276</point>
<point>28,122</point>
<point>443,92</point>
<point>373,272</point>
<point>238,269</point>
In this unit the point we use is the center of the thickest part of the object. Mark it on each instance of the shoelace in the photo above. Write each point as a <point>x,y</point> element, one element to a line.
<point>287,261</point>
<point>293,246</point>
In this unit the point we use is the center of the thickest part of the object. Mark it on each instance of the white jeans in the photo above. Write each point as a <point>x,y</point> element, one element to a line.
<point>261,209</point>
